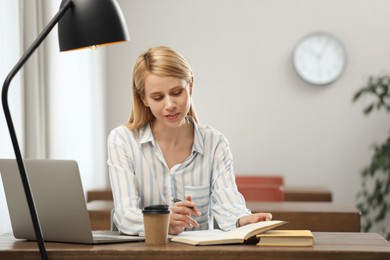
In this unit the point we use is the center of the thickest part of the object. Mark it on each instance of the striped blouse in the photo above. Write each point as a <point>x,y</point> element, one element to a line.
<point>140,177</point>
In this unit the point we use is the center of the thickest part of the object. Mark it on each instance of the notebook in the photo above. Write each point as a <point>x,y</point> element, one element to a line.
<point>59,200</point>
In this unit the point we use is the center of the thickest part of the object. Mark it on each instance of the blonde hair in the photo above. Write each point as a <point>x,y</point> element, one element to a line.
<point>160,61</point>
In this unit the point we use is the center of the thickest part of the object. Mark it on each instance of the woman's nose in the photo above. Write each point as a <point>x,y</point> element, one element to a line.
<point>170,103</point>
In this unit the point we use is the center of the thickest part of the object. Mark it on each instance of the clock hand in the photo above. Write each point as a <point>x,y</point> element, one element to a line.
<point>323,48</point>
<point>313,52</point>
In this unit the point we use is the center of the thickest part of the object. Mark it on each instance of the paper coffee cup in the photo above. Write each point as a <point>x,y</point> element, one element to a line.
<point>156,224</point>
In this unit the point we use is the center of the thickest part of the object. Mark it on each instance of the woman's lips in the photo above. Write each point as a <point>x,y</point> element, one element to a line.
<point>172,116</point>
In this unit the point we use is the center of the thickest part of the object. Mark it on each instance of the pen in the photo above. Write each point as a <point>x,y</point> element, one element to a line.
<point>178,200</point>
<point>198,213</point>
<point>175,200</point>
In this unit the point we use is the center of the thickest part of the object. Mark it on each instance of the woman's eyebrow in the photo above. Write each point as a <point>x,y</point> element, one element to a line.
<point>171,89</point>
<point>176,88</point>
<point>155,93</point>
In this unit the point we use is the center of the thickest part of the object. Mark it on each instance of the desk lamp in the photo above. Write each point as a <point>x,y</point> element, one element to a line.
<point>81,23</point>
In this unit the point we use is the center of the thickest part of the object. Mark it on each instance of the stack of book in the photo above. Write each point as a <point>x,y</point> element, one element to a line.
<point>261,230</point>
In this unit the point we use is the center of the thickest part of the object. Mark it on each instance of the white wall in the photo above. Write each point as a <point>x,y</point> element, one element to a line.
<point>246,87</point>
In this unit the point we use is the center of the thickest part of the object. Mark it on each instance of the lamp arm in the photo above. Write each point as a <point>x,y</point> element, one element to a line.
<point>22,170</point>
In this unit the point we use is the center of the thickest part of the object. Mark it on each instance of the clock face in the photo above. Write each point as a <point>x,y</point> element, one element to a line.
<point>319,58</point>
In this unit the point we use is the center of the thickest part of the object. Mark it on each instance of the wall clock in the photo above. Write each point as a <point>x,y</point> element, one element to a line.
<point>319,58</point>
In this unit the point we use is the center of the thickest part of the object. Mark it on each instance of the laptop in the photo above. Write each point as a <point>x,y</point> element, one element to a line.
<point>59,200</point>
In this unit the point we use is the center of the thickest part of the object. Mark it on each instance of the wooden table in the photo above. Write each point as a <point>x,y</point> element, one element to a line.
<point>316,216</point>
<point>326,246</point>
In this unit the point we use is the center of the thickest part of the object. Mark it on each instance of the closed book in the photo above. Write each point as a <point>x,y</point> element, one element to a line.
<point>286,238</point>
<point>218,237</point>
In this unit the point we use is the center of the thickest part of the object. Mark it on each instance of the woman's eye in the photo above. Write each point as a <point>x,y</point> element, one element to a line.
<point>158,98</point>
<point>176,93</point>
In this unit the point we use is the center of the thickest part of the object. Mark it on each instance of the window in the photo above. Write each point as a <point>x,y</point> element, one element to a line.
<point>10,52</point>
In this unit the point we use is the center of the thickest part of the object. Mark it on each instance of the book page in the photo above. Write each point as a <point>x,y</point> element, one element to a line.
<point>201,236</point>
<point>247,231</point>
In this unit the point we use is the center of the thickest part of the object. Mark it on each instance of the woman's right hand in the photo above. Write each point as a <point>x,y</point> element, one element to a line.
<point>180,217</point>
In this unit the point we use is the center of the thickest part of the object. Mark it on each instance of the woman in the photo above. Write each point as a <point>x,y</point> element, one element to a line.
<point>164,156</point>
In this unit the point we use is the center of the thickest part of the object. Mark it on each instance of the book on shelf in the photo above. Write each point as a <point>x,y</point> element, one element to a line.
<point>286,238</point>
<point>219,237</point>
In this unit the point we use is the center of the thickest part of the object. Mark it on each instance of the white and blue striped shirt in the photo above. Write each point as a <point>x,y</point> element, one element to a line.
<point>140,177</point>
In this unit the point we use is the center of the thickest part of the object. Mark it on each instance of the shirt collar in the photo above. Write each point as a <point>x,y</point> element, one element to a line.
<point>146,135</point>
<point>198,145</point>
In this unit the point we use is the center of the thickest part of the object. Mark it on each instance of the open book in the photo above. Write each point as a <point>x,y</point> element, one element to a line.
<point>235,236</point>
<point>286,238</point>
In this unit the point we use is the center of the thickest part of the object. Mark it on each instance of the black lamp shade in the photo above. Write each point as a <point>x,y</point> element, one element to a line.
<point>90,23</point>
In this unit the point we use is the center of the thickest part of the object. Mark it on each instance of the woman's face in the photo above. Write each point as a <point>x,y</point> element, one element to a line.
<point>168,98</point>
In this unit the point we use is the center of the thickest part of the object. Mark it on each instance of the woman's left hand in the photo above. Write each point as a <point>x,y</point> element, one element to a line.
<point>253,218</point>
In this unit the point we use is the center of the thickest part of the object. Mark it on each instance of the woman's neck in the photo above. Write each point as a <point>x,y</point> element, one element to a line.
<point>173,136</point>
<point>175,143</point>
